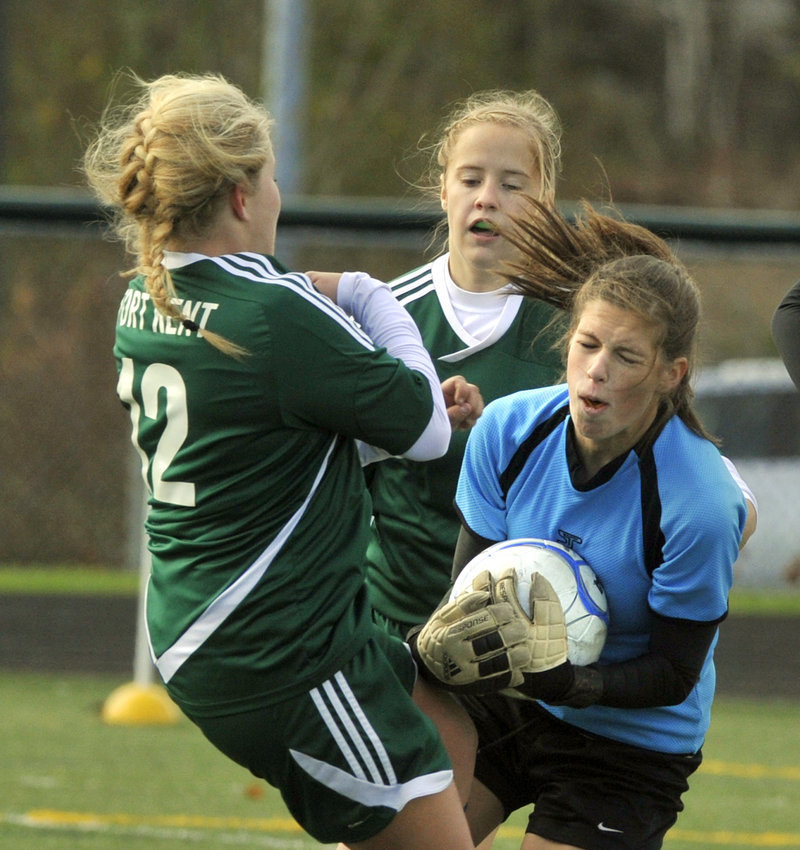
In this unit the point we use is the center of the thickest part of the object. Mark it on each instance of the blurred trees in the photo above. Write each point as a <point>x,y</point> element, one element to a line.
<point>667,101</point>
<point>663,102</point>
<point>61,59</point>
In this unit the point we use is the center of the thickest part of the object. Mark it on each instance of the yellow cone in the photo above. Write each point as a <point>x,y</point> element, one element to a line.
<point>140,705</point>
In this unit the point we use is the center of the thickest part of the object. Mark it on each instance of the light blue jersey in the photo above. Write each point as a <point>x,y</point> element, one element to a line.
<point>660,527</point>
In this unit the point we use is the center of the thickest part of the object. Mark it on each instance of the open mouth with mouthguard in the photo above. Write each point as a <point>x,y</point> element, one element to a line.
<point>483,228</point>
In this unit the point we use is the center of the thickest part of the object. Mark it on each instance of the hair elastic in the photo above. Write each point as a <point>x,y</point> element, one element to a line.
<point>190,325</point>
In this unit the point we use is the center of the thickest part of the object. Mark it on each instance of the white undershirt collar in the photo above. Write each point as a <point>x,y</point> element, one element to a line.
<point>179,259</point>
<point>479,319</point>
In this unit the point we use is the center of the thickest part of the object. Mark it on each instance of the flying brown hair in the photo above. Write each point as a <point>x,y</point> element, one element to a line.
<point>603,257</point>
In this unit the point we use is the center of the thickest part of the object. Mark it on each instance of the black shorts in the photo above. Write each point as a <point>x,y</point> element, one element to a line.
<point>588,791</point>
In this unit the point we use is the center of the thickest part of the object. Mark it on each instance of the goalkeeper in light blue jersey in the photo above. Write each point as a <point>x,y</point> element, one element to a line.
<point>616,465</point>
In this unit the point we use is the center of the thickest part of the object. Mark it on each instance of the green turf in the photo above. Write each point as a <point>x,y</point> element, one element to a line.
<point>69,579</point>
<point>765,602</point>
<point>71,781</point>
<point>123,787</point>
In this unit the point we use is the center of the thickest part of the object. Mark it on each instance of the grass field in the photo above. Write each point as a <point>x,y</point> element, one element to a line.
<point>71,781</point>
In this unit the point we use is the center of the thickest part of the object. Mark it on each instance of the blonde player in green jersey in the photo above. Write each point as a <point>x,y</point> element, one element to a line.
<point>496,148</point>
<point>254,396</point>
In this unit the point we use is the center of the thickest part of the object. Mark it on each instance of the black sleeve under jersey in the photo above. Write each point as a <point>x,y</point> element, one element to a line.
<point>468,545</point>
<point>667,673</point>
<point>786,332</point>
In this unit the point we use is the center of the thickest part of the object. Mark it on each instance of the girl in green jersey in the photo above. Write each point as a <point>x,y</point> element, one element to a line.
<point>253,396</point>
<point>496,149</point>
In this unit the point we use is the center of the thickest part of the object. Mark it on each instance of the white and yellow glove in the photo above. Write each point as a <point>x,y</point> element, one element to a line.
<point>474,643</point>
<point>547,629</point>
<point>548,675</point>
<point>483,641</point>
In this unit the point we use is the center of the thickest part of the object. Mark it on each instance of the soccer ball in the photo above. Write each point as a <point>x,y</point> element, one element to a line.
<point>577,587</point>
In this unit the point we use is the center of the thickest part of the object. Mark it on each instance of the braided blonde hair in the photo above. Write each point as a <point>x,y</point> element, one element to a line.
<point>166,162</point>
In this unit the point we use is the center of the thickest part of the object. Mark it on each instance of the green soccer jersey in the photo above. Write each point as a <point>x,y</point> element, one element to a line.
<point>415,526</point>
<point>258,516</point>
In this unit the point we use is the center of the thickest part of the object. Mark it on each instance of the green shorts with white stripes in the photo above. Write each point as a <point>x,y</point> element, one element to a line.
<point>347,755</point>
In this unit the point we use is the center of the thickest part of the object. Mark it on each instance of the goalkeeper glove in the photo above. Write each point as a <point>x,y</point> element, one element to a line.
<point>550,676</point>
<point>473,643</point>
